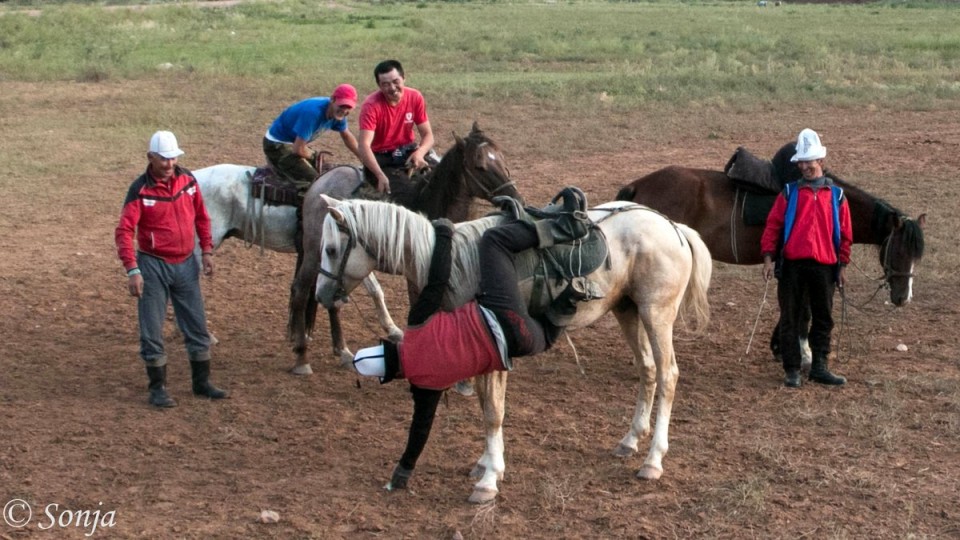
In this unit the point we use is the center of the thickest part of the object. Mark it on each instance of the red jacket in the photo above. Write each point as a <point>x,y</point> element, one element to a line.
<point>812,234</point>
<point>165,216</point>
<point>449,347</point>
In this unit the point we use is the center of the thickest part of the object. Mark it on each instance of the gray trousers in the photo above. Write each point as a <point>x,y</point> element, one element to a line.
<point>179,284</point>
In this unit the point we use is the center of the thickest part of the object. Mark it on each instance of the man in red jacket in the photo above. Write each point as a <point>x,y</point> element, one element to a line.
<point>809,228</point>
<point>165,211</point>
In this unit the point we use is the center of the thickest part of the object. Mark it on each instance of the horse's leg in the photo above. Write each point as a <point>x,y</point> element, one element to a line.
<point>803,334</point>
<point>300,291</point>
<point>775,343</point>
<point>660,332</point>
<point>394,333</point>
<point>340,349</point>
<point>492,391</point>
<point>636,338</point>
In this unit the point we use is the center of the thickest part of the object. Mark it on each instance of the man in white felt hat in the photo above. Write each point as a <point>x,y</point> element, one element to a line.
<point>164,212</point>
<point>810,234</point>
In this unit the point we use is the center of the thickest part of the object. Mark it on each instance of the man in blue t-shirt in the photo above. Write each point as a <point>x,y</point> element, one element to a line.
<point>285,143</point>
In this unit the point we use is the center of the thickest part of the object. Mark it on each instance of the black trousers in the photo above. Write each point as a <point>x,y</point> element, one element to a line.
<point>500,290</point>
<point>804,281</point>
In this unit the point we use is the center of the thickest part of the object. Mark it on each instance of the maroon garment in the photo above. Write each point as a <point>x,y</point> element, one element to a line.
<point>449,347</point>
<point>166,218</point>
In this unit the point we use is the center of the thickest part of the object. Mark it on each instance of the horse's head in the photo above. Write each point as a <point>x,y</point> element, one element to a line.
<point>899,254</point>
<point>484,166</point>
<point>344,261</point>
<point>473,167</point>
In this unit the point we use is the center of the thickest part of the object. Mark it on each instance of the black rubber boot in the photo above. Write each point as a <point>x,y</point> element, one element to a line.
<point>564,306</point>
<point>792,379</point>
<point>820,374</point>
<point>201,381</point>
<point>158,391</point>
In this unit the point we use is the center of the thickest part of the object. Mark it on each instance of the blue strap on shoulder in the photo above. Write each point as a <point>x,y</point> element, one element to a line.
<point>791,193</point>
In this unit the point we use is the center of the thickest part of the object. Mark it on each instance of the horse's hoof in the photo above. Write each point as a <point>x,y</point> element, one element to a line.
<point>623,451</point>
<point>478,471</point>
<point>395,337</point>
<point>483,495</point>
<point>649,472</point>
<point>302,369</point>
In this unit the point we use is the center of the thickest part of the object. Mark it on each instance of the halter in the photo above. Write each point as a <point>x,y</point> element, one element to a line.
<point>487,193</point>
<point>888,271</point>
<point>341,292</point>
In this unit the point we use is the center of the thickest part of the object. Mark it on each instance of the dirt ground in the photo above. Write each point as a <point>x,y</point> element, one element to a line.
<point>878,458</point>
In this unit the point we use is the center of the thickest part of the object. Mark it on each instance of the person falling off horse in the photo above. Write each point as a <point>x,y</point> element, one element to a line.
<point>164,211</point>
<point>440,348</point>
<point>810,234</point>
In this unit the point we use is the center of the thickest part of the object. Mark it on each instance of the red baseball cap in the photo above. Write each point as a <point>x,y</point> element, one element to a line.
<point>344,95</point>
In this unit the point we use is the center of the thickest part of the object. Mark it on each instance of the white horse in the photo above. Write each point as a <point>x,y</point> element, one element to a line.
<point>657,269</point>
<point>235,212</point>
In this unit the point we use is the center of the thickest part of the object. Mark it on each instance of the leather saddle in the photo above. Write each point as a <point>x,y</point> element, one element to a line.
<point>546,272</point>
<point>276,190</point>
<point>758,181</point>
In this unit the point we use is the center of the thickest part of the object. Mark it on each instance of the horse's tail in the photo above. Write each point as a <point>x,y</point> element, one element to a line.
<point>626,193</point>
<point>695,305</point>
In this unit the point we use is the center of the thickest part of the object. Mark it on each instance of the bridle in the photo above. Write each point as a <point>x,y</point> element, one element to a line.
<point>488,194</point>
<point>352,242</point>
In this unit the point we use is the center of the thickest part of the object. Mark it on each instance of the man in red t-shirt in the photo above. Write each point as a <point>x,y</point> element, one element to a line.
<point>387,119</point>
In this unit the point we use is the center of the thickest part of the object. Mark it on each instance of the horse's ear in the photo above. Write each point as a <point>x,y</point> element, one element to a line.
<point>476,128</point>
<point>337,215</point>
<point>329,201</point>
<point>922,220</point>
<point>457,139</point>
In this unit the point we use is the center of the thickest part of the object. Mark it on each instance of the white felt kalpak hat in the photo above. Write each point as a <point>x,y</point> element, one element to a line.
<point>165,144</point>
<point>809,147</point>
<point>371,362</point>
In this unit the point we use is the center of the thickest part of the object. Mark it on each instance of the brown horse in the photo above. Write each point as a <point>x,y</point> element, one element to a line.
<point>473,168</point>
<point>712,204</point>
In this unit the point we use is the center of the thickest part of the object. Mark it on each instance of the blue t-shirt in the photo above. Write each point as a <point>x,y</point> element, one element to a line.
<point>306,119</point>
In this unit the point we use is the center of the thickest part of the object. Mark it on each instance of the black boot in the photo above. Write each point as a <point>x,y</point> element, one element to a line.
<point>820,374</point>
<point>201,381</point>
<point>564,306</point>
<point>158,392</point>
<point>792,379</point>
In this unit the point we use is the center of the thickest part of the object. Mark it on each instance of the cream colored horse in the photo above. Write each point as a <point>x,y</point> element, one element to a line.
<point>657,269</point>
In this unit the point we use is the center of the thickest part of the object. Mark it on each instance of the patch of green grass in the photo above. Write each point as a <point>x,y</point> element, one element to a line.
<point>635,54</point>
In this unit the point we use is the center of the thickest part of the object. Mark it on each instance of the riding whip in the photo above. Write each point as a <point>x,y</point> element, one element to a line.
<point>763,301</point>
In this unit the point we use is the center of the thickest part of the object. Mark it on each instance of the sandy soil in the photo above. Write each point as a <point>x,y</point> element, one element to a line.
<point>876,459</point>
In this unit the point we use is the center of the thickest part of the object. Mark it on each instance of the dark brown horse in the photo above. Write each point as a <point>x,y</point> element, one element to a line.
<point>711,203</point>
<point>473,168</point>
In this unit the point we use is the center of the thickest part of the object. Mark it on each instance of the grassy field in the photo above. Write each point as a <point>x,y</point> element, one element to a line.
<point>567,54</point>
<point>592,94</point>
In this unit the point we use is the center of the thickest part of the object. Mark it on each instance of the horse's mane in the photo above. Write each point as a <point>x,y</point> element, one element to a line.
<point>362,216</point>
<point>369,219</point>
<point>884,214</point>
<point>438,189</point>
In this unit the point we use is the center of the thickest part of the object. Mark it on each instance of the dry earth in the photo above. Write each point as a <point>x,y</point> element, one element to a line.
<point>876,459</point>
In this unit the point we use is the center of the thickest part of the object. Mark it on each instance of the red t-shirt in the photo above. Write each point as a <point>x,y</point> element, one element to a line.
<point>392,126</point>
